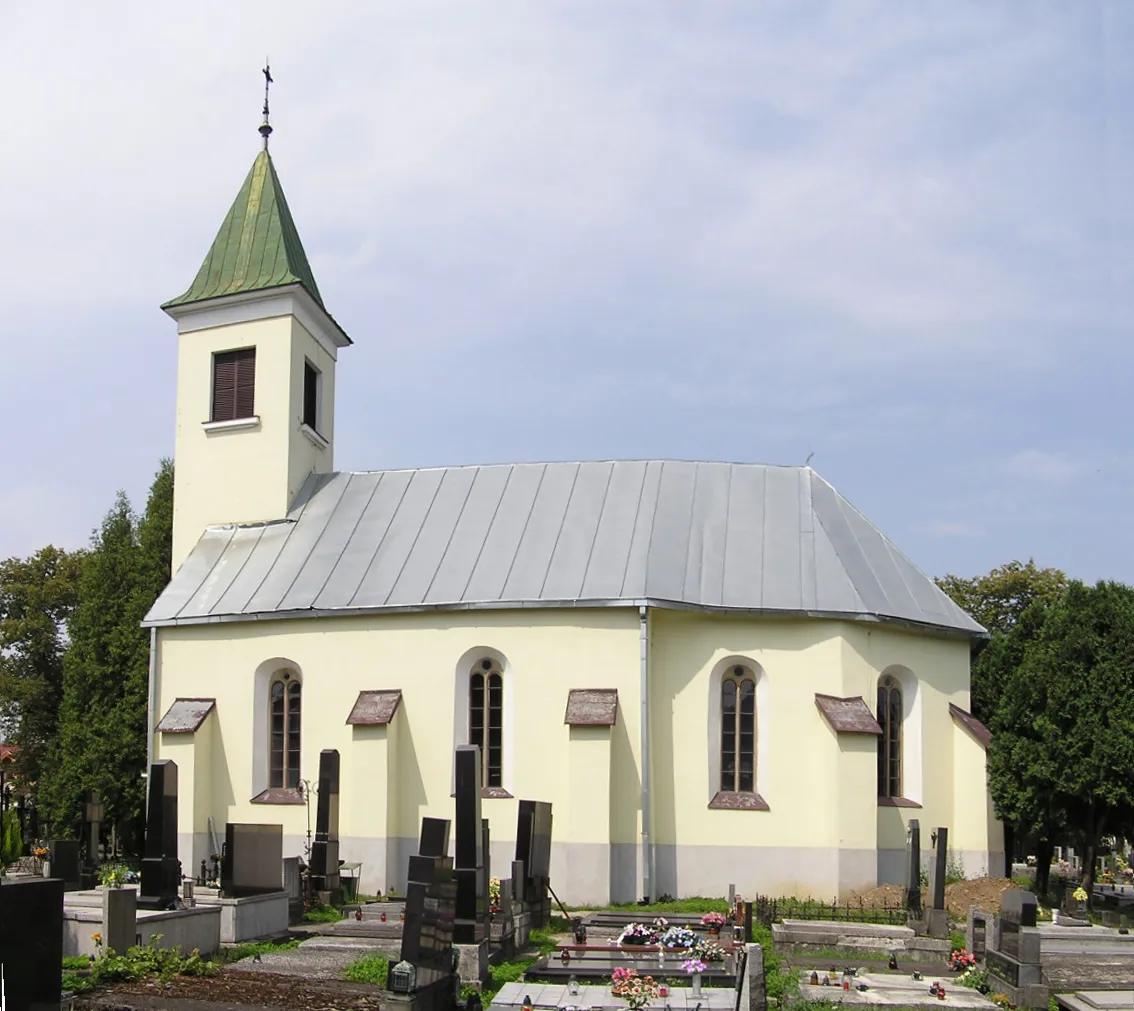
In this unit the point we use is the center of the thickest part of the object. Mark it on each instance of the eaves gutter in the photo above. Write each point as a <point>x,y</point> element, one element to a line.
<point>297,614</point>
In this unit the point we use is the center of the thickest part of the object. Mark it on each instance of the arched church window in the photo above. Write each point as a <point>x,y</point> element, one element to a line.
<point>285,716</point>
<point>738,731</point>
<point>890,743</point>
<point>486,719</point>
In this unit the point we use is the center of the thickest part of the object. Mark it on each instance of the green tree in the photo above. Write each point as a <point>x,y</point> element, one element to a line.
<point>1063,730</point>
<point>999,598</point>
<point>37,596</point>
<point>11,839</point>
<point>101,743</point>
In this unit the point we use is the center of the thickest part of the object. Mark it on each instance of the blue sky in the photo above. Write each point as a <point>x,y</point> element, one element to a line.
<point>895,236</point>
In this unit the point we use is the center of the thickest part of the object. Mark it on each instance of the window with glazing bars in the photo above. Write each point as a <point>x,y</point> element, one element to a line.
<point>285,702</point>
<point>738,731</point>
<point>486,720</point>
<point>890,743</point>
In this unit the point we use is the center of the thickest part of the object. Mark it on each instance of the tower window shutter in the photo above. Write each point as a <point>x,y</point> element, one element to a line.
<point>234,385</point>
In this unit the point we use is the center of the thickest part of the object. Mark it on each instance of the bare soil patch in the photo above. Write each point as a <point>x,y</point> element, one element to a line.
<point>981,892</point>
<point>271,990</point>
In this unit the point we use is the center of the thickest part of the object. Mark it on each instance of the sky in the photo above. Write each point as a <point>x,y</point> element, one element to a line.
<point>891,238</point>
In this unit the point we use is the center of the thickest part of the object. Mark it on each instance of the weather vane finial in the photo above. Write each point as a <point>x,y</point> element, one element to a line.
<point>266,127</point>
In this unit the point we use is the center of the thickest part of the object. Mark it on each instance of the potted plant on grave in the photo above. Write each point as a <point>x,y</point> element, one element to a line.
<point>714,922</point>
<point>112,875</point>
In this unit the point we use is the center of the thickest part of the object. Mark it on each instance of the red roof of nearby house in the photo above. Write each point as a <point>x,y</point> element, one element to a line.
<point>7,752</point>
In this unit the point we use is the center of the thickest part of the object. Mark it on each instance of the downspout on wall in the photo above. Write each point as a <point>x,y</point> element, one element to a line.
<point>644,690</point>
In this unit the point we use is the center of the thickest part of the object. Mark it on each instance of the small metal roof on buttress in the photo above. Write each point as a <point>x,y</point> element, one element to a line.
<point>712,537</point>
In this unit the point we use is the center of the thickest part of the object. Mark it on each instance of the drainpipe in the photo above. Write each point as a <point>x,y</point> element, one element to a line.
<point>647,848</point>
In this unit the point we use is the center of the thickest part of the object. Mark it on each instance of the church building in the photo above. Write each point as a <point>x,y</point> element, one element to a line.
<point>717,673</point>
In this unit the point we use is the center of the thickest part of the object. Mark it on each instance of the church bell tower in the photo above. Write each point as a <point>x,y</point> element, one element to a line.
<point>255,368</point>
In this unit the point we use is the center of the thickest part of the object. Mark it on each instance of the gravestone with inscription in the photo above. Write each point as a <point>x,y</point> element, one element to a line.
<point>161,870</point>
<point>427,935</point>
<point>31,941</point>
<point>253,860</point>
<point>1013,954</point>
<point>325,848</point>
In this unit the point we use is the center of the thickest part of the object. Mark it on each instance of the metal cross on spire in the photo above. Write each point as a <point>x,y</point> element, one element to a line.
<point>266,127</point>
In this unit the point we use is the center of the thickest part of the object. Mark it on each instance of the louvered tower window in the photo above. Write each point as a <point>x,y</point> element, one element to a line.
<point>738,731</point>
<point>234,385</point>
<point>486,719</point>
<point>285,713</point>
<point>890,743</point>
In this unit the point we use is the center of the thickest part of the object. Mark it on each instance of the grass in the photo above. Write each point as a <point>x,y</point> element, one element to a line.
<point>694,905</point>
<point>844,953</point>
<point>323,914</point>
<point>250,948</point>
<point>371,969</point>
<point>781,983</point>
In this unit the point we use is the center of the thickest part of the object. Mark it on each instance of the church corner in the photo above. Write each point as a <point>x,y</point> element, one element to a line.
<point>716,673</point>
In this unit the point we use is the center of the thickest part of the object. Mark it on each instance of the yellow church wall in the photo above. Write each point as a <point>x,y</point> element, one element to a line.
<point>230,475</point>
<point>545,654</point>
<point>823,833</point>
<point>242,473</point>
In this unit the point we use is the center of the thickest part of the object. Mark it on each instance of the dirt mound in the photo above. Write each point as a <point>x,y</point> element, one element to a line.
<point>981,892</point>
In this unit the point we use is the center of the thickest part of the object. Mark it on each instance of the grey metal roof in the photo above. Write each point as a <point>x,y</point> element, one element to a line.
<point>709,536</point>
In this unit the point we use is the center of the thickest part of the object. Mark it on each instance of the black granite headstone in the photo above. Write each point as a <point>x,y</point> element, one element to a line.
<point>161,872</point>
<point>434,837</point>
<point>533,848</point>
<point>939,868</point>
<point>31,941</point>
<point>325,848</point>
<point>472,885</point>
<point>913,880</point>
<point>65,861</point>
<point>253,860</point>
<point>1017,909</point>
<point>431,896</point>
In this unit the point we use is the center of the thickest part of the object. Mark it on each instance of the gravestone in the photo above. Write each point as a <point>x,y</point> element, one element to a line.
<point>293,885</point>
<point>253,860</point>
<point>1013,956</point>
<point>161,871</point>
<point>94,811</point>
<point>470,924</point>
<point>325,848</point>
<point>976,931</point>
<point>427,935</point>
<point>533,848</point>
<point>468,927</point>
<point>913,877</point>
<point>937,918</point>
<point>31,941</point>
<point>66,862</point>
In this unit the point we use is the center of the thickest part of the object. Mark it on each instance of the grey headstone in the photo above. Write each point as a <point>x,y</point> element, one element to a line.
<point>253,860</point>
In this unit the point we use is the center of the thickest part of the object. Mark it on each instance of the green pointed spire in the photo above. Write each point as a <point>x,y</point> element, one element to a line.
<point>257,247</point>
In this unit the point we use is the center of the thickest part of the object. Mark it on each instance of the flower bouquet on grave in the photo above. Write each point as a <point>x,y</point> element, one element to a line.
<point>638,934</point>
<point>636,990</point>
<point>714,921</point>
<point>960,960</point>
<point>678,937</point>
<point>707,951</point>
<point>494,895</point>
<point>694,967</point>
